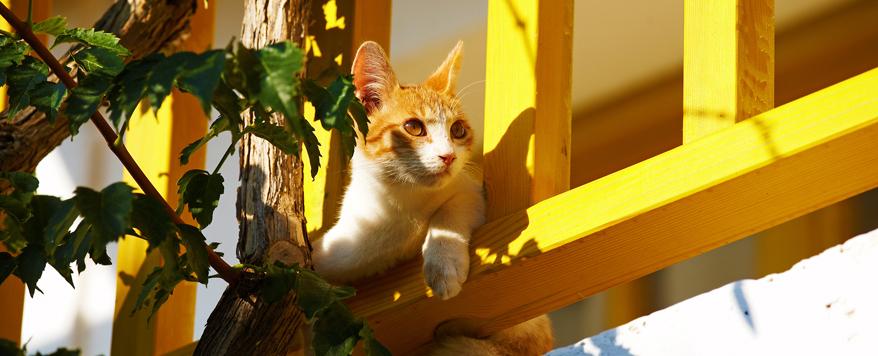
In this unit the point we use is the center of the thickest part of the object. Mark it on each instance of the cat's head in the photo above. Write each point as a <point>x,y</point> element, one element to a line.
<point>418,134</point>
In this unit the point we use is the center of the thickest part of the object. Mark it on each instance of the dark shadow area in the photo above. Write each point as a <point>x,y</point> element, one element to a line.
<point>506,197</point>
<point>606,343</point>
<point>743,305</point>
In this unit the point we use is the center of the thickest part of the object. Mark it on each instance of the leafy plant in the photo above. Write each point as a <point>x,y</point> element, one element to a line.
<point>39,228</point>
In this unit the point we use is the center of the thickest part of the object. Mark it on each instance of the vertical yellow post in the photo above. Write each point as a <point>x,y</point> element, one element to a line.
<point>527,103</point>
<point>156,142</point>
<point>12,290</point>
<point>728,63</point>
<point>336,32</point>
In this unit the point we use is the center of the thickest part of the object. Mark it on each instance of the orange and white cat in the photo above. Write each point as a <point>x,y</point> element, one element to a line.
<point>408,194</point>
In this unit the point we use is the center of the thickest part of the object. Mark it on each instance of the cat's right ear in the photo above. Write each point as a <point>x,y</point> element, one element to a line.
<point>373,76</point>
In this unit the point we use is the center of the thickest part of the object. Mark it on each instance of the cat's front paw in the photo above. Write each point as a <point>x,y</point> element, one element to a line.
<point>445,274</point>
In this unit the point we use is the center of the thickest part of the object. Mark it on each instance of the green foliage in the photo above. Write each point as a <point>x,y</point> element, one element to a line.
<point>107,212</point>
<point>93,59</point>
<point>91,38</point>
<point>14,208</point>
<point>85,99</point>
<point>9,348</point>
<point>201,191</point>
<point>46,97</point>
<point>53,26</point>
<point>231,80</point>
<point>336,330</point>
<point>21,79</point>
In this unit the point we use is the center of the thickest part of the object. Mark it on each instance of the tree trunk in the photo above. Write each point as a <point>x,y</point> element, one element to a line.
<point>143,26</point>
<point>271,214</point>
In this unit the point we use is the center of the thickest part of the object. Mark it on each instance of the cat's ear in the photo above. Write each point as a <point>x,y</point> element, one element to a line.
<point>445,78</point>
<point>373,76</point>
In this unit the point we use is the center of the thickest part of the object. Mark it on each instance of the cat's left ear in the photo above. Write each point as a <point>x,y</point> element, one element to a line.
<point>445,78</point>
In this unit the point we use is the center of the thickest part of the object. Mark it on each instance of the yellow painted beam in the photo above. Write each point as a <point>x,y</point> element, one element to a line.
<point>758,173</point>
<point>156,144</point>
<point>527,96</point>
<point>12,299</point>
<point>334,39</point>
<point>728,63</point>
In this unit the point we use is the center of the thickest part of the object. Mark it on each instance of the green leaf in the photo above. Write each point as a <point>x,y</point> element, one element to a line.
<point>85,99</point>
<point>370,343</point>
<point>31,263</point>
<point>52,26</point>
<point>200,76</point>
<point>228,104</point>
<point>152,280</point>
<point>108,213</point>
<point>331,104</point>
<point>91,38</point>
<point>23,181</point>
<point>11,54</point>
<point>336,332</point>
<point>129,87</point>
<point>59,223</point>
<point>312,146</point>
<point>358,112</point>
<point>9,348</point>
<point>82,240</point>
<point>14,208</point>
<point>14,240</point>
<point>201,191</point>
<point>46,97</point>
<point>62,257</point>
<point>7,265</point>
<point>279,281</point>
<point>21,79</point>
<point>193,240</point>
<point>93,59</point>
<point>42,207</point>
<point>270,78</point>
<point>276,135</point>
<point>220,125</point>
<point>149,216</point>
<point>315,293</point>
<point>161,78</point>
<point>63,351</point>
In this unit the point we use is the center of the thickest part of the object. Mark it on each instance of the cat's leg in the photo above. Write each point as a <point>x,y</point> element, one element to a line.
<point>446,249</point>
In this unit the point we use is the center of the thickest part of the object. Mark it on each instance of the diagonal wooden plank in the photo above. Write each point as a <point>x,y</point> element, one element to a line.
<point>753,175</point>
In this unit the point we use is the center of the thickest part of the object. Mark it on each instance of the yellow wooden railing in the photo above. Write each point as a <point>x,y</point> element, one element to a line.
<point>745,166</point>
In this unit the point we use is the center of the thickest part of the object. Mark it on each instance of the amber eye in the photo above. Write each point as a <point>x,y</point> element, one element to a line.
<point>414,127</point>
<point>457,130</point>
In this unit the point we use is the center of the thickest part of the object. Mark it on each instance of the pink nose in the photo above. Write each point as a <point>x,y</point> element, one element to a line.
<point>448,158</point>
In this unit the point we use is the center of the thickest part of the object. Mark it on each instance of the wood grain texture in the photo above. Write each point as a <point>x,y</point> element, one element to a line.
<point>527,103</point>
<point>156,142</point>
<point>728,63</point>
<point>270,208</point>
<point>753,175</point>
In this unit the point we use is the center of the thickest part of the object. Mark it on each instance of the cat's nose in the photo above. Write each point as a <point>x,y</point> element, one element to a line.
<point>447,158</point>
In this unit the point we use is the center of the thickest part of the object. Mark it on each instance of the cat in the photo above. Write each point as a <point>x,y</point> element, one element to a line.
<point>409,194</point>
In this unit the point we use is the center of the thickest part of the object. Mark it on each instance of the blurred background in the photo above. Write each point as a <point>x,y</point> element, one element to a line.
<point>627,107</point>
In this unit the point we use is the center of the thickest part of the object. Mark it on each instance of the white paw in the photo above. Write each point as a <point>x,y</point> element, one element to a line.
<point>445,274</point>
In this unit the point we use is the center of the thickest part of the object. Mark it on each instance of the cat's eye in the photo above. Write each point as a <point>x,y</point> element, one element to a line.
<point>414,127</point>
<point>457,130</point>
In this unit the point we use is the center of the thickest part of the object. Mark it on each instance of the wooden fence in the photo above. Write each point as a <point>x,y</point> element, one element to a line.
<point>744,166</point>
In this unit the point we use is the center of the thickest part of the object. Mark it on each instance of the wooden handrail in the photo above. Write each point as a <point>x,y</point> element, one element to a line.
<point>753,175</point>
